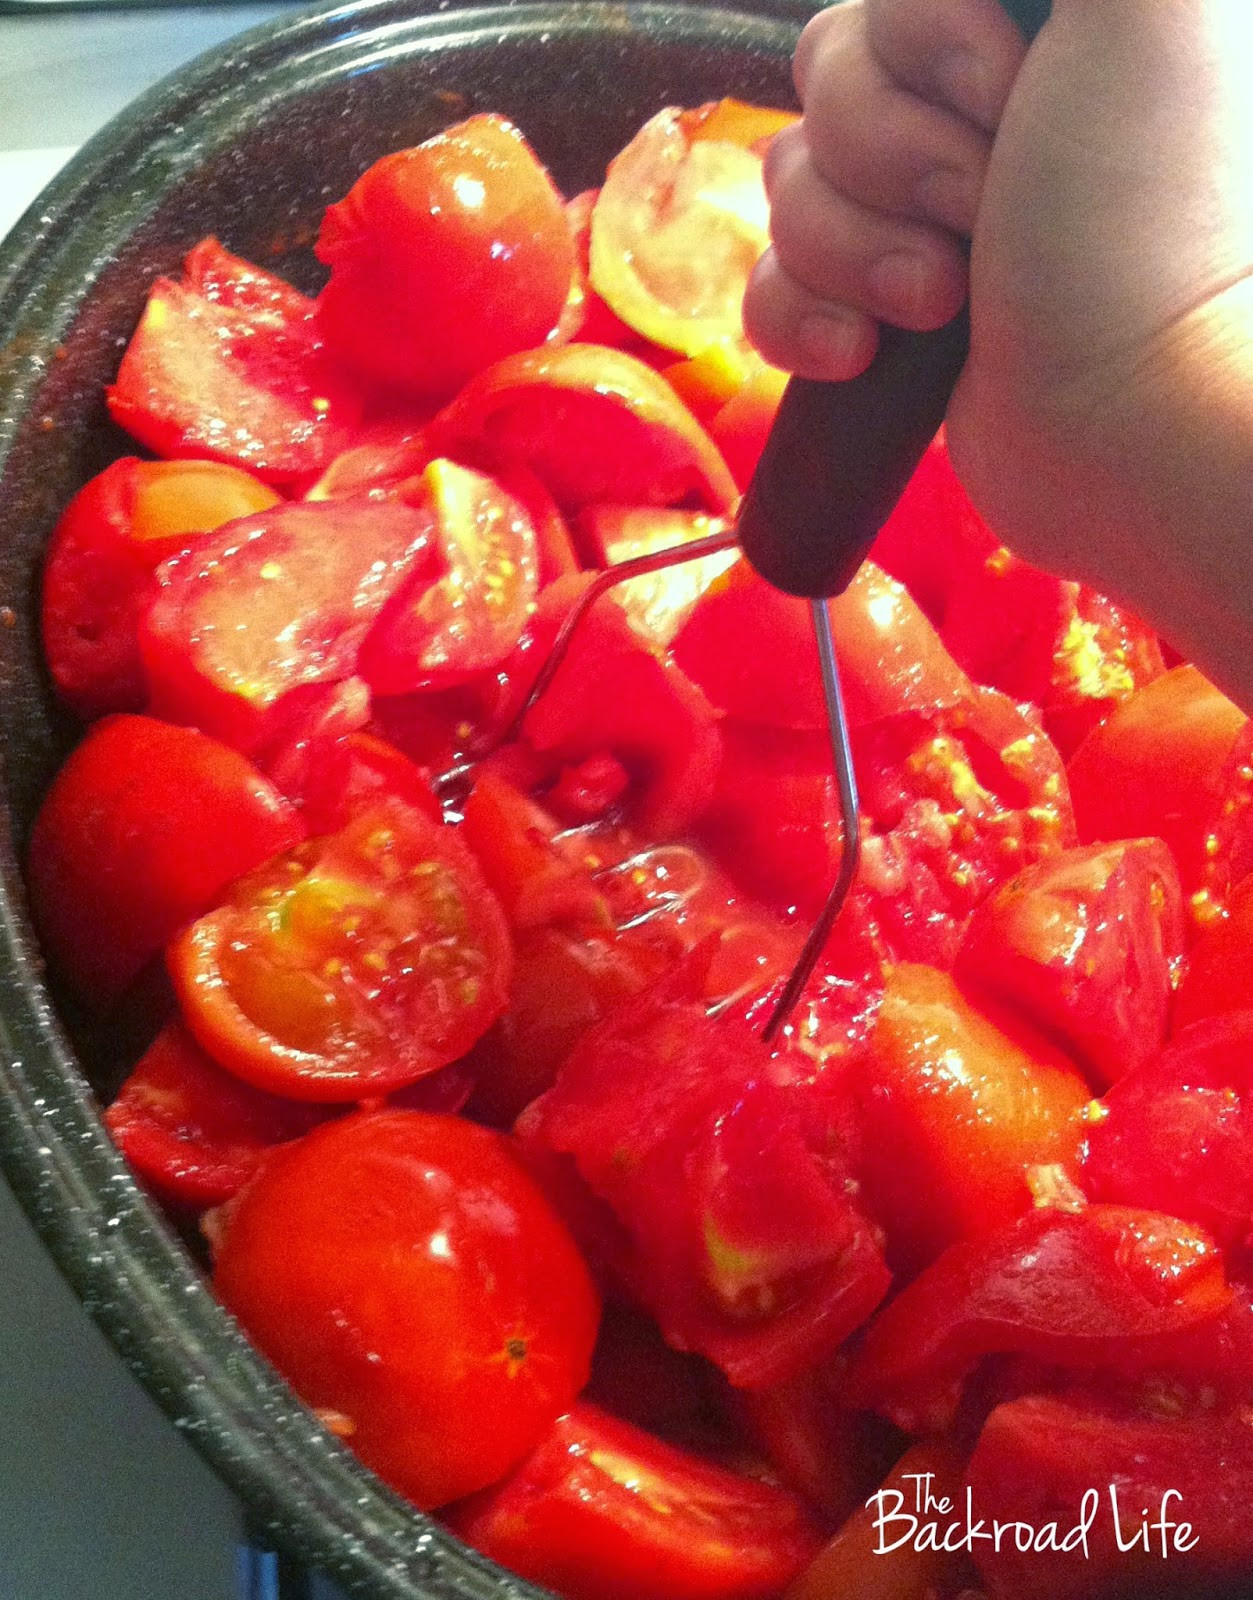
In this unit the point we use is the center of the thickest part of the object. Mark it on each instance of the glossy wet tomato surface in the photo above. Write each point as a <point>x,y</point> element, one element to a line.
<point>432,974</point>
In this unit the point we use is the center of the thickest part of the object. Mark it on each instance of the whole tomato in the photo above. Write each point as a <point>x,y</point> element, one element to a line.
<point>408,1278</point>
<point>444,258</point>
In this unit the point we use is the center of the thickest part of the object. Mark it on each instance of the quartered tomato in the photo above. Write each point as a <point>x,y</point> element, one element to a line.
<point>658,603</point>
<point>123,853</point>
<point>229,364</point>
<point>444,258</point>
<point>101,557</point>
<point>954,1111</point>
<point>246,623</point>
<point>410,1280</point>
<point>345,774</point>
<point>441,629</point>
<point>604,1511</point>
<point>351,966</point>
<point>194,1132</point>
<point>593,424</point>
<point>1219,974</point>
<point>736,122</point>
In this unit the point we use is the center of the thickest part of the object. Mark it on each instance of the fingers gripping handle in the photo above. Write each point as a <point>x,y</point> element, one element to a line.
<point>840,454</point>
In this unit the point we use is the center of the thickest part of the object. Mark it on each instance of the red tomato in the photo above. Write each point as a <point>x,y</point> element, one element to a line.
<point>1101,1289</point>
<point>554,545</point>
<point>98,573</point>
<point>445,258</point>
<point>346,775</point>
<point>381,457</point>
<point>350,966</point>
<point>1177,1133</point>
<point>954,1111</point>
<point>810,1438</point>
<point>744,1241</point>
<point>1084,945</point>
<point>1038,1457</point>
<point>1172,761</point>
<point>142,830</point>
<point>736,122</point>
<point>514,841</point>
<point>404,1272</point>
<point>658,603</point>
<point>1219,974</point>
<point>247,622</point>
<point>442,629</point>
<point>586,317</point>
<point>229,364</point>
<point>741,427</point>
<point>604,1511</point>
<point>752,649</point>
<point>594,424</point>
<point>194,1132</point>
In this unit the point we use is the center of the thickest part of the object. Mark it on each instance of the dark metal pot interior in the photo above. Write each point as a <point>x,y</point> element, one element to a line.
<point>250,143</point>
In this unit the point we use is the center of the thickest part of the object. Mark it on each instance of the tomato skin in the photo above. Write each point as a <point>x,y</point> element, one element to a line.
<point>111,537</point>
<point>350,967</point>
<point>1083,945</point>
<point>251,619</point>
<point>1177,1133</point>
<point>192,1131</point>
<point>604,1511</point>
<point>1037,1457</point>
<point>229,364</point>
<point>402,1269</point>
<point>1219,976</point>
<point>1105,1289</point>
<point>444,258</point>
<point>120,856</point>
<point>1162,763</point>
<point>954,1109</point>
<point>345,775</point>
<point>594,424</point>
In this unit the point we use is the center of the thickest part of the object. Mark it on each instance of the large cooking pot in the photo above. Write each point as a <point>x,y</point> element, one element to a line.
<point>250,142</point>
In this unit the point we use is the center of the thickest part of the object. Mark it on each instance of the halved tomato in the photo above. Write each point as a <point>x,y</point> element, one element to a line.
<point>229,364</point>
<point>350,966</point>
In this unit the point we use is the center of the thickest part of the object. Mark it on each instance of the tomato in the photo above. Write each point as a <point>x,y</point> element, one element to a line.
<point>143,828</point>
<point>554,544</point>
<point>249,620</point>
<point>594,424</point>
<point>1172,761</point>
<point>708,381</point>
<point>1038,1457</point>
<point>1218,977</point>
<point>677,228</point>
<point>866,1561</point>
<point>744,1241</point>
<point>346,774</point>
<point>350,966</point>
<point>229,364</point>
<point>752,649</point>
<point>192,1131</point>
<point>1084,945</point>
<point>586,317</point>
<point>440,630</point>
<point>811,1439</point>
<point>444,258</point>
<point>741,427</point>
<point>382,455</point>
<point>113,534</point>
<point>954,1110</point>
<point>403,1272</point>
<point>603,1511</point>
<point>1177,1133</point>
<point>736,122</point>
<point>1103,1288</point>
<point>514,841</point>
<point>657,603</point>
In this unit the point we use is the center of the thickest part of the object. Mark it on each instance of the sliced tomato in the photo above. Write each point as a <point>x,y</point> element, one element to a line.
<point>1104,1288</point>
<point>406,1274</point>
<point>381,456</point>
<point>554,545</point>
<point>514,841</point>
<point>192,1131</point>
<point>604,1511</point>
<point>744,1243</point>
<point>741,427</point>
<point>736,122</point>
<point>229,364</point>
<point>122,856</point>
<point>1177,1133</point>
<point>1038,1457</point>
<point>677,228</point>
<point>441,630</point>
<point>344,774</point>
<point>810,1437</point>
<point>708,381</point>
<point>101,557</point>
<point>955,1108</point>
<point>1084,945</point>
<point>752,649</point>
<point>351,966</point>
<point>594,424</point>
<point>586,317</point>
<point>1173,761</point>
<point>444,258</point>
<point>247,622</point>
<point>657,603</point>
<point>1219,974</point>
